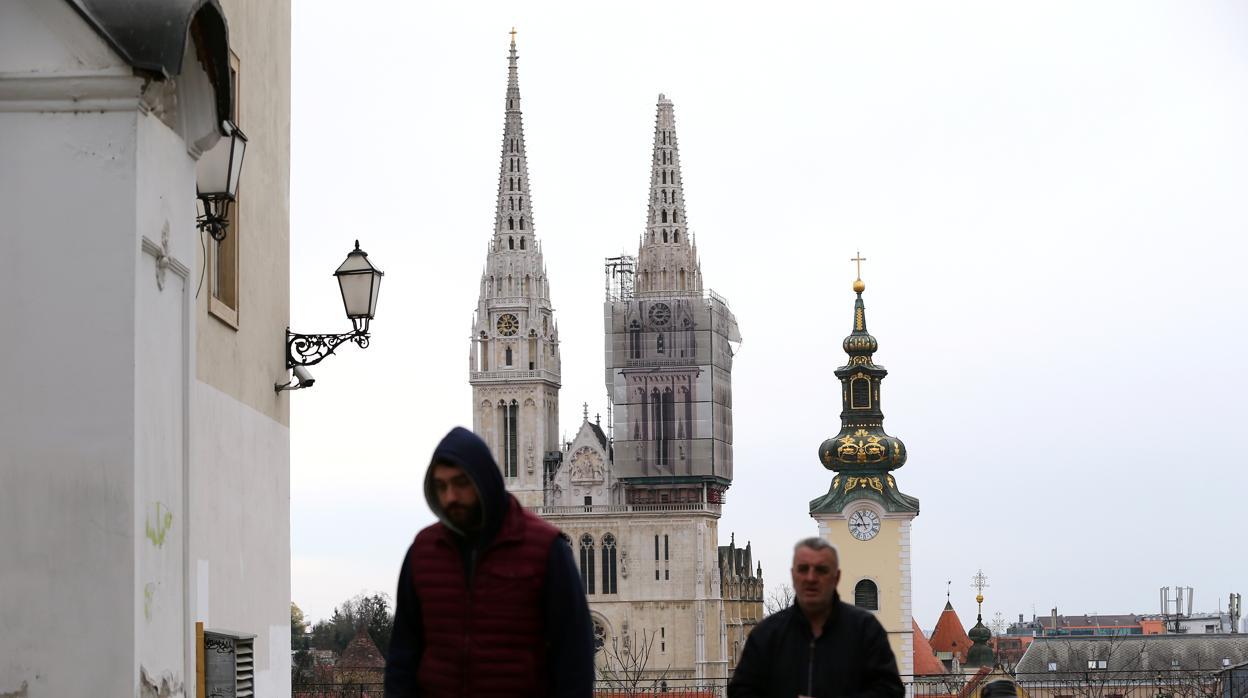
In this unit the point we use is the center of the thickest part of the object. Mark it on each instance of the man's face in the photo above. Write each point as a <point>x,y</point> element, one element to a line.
<point>457,495</point>
<point>815,574</point>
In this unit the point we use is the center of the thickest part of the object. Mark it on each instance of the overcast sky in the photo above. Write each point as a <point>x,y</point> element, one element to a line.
<point>1052,199</point>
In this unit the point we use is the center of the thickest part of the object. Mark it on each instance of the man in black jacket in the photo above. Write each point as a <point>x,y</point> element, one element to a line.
<point>819,647</point>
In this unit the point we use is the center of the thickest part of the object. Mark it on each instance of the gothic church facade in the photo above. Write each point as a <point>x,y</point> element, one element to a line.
<point>640,503</point>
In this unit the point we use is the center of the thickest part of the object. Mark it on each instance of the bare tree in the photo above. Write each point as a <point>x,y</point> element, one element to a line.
<point>778,600</point>
<point>626,665</point>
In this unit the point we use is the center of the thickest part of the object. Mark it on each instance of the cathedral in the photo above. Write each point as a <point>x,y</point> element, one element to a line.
<point>639,502</point>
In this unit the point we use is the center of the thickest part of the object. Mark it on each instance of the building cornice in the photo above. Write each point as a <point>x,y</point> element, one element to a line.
<point>70,92</point>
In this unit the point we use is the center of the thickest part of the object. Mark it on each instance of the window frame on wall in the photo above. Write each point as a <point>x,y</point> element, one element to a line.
<point>223,256</point>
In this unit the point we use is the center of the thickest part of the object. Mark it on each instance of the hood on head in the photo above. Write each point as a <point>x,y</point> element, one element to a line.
<point>465,449</point>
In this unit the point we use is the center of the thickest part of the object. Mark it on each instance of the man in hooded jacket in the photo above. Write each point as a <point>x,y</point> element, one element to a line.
<point>489,601</point>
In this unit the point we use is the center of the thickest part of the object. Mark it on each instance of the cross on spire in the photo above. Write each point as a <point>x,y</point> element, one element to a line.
<point>858,260</point>
<point>513,36</point>
<point>585,411</point>
<point>979,582</point>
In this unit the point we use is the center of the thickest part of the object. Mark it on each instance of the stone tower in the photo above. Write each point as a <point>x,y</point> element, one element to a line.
<point>863,513</point>
<point>514,354</point>
<point>669,351</point>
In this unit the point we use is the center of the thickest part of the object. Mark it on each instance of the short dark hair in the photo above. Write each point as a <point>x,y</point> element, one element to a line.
<point>816,544</point>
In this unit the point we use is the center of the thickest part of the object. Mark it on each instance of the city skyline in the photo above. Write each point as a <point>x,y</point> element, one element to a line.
<point>1050,215</point>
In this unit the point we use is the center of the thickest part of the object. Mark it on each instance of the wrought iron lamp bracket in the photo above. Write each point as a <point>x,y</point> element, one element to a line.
<point>311,349</point>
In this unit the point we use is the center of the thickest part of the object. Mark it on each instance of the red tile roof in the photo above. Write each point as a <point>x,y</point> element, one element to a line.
<point>925,661</point>
<point>950,635</point>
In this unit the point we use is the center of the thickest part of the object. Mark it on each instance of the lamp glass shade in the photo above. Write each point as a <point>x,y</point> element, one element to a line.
<point>219,169</point>
<point>360,283</point>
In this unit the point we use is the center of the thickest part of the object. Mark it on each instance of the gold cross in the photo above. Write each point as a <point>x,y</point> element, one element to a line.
<point>858,262</point>
<point>513,35</point>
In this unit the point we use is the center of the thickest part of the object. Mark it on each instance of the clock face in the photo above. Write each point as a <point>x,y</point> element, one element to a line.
<point>864,524</point>
<point>507,324</point>
<point>660,314</point>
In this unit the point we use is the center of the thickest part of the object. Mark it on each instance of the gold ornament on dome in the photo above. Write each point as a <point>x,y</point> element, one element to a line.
<point>859,360</point>
<point>864,482</point>
<point>891,484</point>
<point>864,449</point>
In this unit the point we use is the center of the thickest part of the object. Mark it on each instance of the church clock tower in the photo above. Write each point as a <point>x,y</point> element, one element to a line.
<point>863,513</point>
<point>514,354</point>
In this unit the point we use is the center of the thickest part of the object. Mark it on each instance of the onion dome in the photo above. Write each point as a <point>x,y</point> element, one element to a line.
<point>981,653</point>
<point>862,453</point>
<point>862,443</point>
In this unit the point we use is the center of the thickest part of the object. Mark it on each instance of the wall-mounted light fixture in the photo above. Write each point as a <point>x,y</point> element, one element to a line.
<point>216,180</point>
<point>359,281</point>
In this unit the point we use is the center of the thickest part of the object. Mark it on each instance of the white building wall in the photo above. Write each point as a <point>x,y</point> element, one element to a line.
<point>134,498</point>
<point>67,447</point>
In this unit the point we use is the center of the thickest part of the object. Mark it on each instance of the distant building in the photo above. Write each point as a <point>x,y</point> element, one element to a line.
<point>949,639</point>
<point>639,506</point>
<point>1131,656</point>
<point>361,662</point>
<point>864,513</point>
<point>1084,625</point>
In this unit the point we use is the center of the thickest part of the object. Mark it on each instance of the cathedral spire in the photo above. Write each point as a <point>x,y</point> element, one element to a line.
<point>667,260</point>
<point>513,223</point>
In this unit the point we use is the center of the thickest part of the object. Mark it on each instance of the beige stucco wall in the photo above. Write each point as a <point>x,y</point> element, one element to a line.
<point>885,560</point>
<point>244,363</point>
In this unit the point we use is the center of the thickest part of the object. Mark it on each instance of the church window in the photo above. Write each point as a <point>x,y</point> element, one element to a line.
<point>867,595</point>
<point>634,340</point>
<point>681,276</point>
<point>658,343</point>
<point>663,216</point>
<point>522,242</point>
<point>665,176</point>
<point>587,563</point>
<point>608,564</point>
<point>511,223</point>
<point>508,355</point>
<point>675,219</point>
<point>676,235</point>
<point>511,243</point>
<point>522,222</point>
<point>665,232</point>
<point>665,556</point>
<point>520,201</point>
<point>656,547</point>
<point>860,393</point>
<point>511,414</point>
<point>511,203</point>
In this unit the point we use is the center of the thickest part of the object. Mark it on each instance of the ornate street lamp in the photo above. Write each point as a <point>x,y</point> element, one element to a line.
<point>359,281</point>
<point>216,180</point>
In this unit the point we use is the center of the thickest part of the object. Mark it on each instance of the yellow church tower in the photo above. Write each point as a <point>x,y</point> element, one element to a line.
<point>864,514</point>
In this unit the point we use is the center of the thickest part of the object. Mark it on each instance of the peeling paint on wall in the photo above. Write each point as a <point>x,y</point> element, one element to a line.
<point>164,521</point>
<point>149,592</point>
<point>19,693</point>
<point>170,686</point>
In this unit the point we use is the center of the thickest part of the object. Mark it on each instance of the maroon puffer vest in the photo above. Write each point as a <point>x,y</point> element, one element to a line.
<point>485,638</point>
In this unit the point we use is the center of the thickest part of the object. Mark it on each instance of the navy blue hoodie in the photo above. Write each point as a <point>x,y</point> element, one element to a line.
<point>569,634</point>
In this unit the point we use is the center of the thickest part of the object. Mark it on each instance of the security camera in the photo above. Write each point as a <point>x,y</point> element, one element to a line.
<point>303,379</point>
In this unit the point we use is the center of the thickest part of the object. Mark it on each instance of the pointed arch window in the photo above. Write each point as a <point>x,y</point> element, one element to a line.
<point>676,235</point>
<point>608,564</point>
<point>511,223</point>
<point>511,243</point>
<point>587,563</point>
<point>507,353</point>
<point>522,222</point>
<point>522,244</point>
<point>634,340</point>
<point>867,595</point>
<point>665,232</point>
<point>662,406</point>
<point>510,415</point>
<point>663,215</point>
<point>675,217</point>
